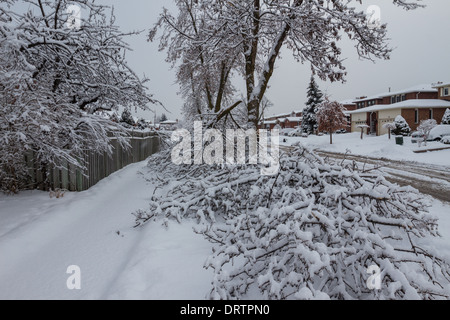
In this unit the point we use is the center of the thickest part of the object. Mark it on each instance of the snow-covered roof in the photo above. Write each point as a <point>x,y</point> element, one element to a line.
<point>440,85</point>
<point>281,115</point>
<point>408,104</point>
<point>294,119</point>
<point>284,115</point>
<point>270,122</point>
<point>168,122</point>
<point>418,88</point>
<point>348,102</point>
<point>379,96</point>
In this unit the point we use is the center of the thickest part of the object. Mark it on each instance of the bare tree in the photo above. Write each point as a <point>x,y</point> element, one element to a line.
<point>250,34</point>
<point>331,117</point>
<point>204,73</point>
<point>55,79</point>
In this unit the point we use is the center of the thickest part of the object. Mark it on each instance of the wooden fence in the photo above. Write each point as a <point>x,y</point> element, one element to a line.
<point>98,166</point>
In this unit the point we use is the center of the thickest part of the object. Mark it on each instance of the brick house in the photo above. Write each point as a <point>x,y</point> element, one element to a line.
<point>443,90</point>
<point>422,91</point>
<point>268,124</point>
<point>350,105</point>
<point>285,120</point>
<point>414,111</point>
<point>415,104</point>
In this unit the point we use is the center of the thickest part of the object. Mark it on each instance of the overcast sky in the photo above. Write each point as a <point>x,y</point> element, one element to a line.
<point>422,55</point>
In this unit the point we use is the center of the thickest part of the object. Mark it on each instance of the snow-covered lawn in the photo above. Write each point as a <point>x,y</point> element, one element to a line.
<point>377,147</point>
<point>40,237</point>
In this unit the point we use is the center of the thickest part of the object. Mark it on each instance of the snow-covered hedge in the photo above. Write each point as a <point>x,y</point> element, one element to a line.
<point>310,232</point>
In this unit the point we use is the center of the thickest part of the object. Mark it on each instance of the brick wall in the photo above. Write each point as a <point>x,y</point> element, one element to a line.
<point>386,100</point>
<point>413,96</point>
<point>423,95</point>
<point>443,97</point>
<point>350,107</point>
<point>424,114</point>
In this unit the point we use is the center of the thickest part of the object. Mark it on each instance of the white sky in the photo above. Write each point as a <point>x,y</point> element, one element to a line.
<point>422,55</point>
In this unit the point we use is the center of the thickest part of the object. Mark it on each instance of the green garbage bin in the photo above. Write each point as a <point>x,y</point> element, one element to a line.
<point>399,140</point>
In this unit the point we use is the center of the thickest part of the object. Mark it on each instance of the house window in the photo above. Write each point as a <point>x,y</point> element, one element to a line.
<point>445,92</point>
<point>431,114</point>
<point>404,97</point>
<point>393,99</point>
<point>399,98</point>
<point>416,116</point>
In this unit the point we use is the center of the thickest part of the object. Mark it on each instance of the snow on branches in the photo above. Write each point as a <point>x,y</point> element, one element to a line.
<point>425,128</point>
<point>446,117</point>
<point>311,232</point>
<point>401,127</point>
<point>315,97</point>
<point>54,80</point>
<point>210,39</point>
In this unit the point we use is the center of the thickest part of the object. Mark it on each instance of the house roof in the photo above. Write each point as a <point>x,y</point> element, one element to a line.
<point>348,102</point>
<point>440,85</point>
<point>294,119</point>
<point>418,88</point>
<point>169,122</point>
<point>408,104</point>
<point>283,115</point>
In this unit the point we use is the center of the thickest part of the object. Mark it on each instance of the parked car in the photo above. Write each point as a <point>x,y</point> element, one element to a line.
<point>436,134</point>
<point>342,131</point>
<point>446,140</point>
<point>285,132</point>
<point>296,133</point>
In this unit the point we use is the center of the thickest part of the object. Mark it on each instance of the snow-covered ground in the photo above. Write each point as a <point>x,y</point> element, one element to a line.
<point>376,147</point>
<point>40,237</point>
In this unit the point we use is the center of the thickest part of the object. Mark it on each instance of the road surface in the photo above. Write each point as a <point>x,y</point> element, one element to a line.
<point>429,179</point>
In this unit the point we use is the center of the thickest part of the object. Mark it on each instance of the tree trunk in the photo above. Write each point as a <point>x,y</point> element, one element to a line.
<point>253,113</point>
<point>331,137</point>
<point>389,133</point>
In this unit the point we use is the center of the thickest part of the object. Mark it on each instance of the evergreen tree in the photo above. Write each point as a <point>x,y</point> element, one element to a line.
<point>142,124</point>
<point>446,118</point>
<point>315,97</point>
<point>127,118</point>
<point>163,118</point>
<point>401,127</point>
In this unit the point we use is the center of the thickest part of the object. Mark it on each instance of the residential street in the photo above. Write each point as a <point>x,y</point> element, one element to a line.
<point>429,179</point>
